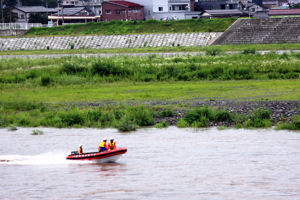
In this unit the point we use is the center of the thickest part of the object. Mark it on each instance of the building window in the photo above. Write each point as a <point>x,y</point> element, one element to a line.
<point>22,16</point>
<point>124,11</point>
<point>136,10</point>
<point>118,12</point>
<point>129,10</point>
<point>108,11</point>
<point>148,12</point>
<point>160,9</point>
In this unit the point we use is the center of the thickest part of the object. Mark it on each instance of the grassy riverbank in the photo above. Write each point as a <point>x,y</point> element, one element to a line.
<point>39,91</point>
<point>223,48</point>
<point>136,27</point>
<point>67,71</point>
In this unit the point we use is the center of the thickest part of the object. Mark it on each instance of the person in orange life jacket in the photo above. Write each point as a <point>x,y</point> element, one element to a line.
<point>80,149</point>
<point>103,145</point>
<point>112,144</point>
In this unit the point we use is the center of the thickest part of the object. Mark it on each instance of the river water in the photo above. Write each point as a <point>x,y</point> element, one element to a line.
<point>159,164</point>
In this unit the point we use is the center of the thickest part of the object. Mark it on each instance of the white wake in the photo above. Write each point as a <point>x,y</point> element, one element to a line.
<point>49,158</point>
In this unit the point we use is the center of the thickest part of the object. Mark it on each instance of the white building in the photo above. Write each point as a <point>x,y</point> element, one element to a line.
<point>168,9</point>
<point>154,9</point>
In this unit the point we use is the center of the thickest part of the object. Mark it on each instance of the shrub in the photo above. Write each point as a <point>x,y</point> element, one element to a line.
<point>238,126</point>
<point>181,123</point>
<point>37,132</point>
<point>222,115</point>
<point>72,45</point>
<point>12,127</point>
<point>203,122</point>
<point>141,114</point>
<point>118,114</point>
<point>167,112</point>
<point>126,124</point>
<point>45,80</point>
<point>93,115</point>
<point>71,117</point>
<point>24,121</point>
<point>260,114</point>
<point>163,124</point>
<point>261,123</point>
<point>197,114</point>
<point>247,124</point>
<point>213,52</point>
<point>69,68</point>
<point>294,125</point>
<point>249,51</point>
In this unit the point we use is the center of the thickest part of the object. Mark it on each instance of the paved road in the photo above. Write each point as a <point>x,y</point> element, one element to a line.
<point>132,54</point>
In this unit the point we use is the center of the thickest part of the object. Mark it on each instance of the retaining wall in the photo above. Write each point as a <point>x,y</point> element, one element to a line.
<point>5,33</point>
<point>108,41</point>
<point>261,31</point>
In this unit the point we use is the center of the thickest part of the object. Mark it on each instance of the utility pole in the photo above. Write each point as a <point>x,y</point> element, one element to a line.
<point>2,12</point>
<point>62,13</point>
<point>10,21</point>
<point>58,12</point>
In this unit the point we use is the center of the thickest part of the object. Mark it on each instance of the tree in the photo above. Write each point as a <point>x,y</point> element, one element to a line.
<point>38,18</point>
<point>6,15</point>
<point>294,6</point>
<point>9,3</point>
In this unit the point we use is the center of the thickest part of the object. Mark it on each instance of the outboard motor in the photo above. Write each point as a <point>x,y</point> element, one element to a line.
<point>74,153</point>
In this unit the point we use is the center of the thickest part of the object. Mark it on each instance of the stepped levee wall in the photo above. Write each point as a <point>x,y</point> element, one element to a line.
<point>261,31</point>
<point>107,41</point>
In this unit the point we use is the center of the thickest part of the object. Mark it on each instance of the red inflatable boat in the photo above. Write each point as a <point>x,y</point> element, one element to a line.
<point>98,157</point>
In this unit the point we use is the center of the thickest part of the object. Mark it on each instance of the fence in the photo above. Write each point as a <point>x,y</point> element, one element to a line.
<point>20,26</point>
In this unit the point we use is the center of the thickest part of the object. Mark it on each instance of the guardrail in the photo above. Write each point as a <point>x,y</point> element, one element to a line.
<point>22,26</point>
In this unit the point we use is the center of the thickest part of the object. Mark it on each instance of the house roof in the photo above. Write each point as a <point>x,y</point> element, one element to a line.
<point>124,3</point>
<point>281,7</point>
<point>228,12</point>
<point>73,11</point>
<point>284,12</point>
<point>35,9</point>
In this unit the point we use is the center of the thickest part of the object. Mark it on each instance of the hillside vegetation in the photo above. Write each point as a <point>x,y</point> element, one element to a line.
<point>136,27</point>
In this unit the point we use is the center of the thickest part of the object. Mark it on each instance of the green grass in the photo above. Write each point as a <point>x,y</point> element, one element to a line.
<point>124,91</point>
<point>241,47</point>
<point>142,78</point>
<point>32,73</point>
<point>132,27</point>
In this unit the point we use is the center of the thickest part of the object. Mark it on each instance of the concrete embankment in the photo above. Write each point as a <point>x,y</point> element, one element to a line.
<point>108,41</point>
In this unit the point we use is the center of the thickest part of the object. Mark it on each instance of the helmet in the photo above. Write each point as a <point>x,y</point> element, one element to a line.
<point>111,138</point>
<point>104,139</point>
<point>80,145</point>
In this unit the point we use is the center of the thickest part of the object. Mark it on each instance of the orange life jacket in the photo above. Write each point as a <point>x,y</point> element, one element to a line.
<point>112,145</point>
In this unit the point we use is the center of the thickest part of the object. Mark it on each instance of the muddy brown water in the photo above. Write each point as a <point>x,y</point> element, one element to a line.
<point>167,163</point>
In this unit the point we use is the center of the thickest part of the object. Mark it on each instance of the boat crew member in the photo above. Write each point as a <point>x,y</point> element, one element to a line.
<point>103,145</point>
<point>112,144</point>
<point>80,149</point>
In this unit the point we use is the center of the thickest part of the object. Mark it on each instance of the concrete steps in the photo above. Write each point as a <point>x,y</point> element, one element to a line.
<point>264,31</point>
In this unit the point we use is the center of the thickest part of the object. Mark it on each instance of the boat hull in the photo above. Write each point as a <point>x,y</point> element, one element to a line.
<point>99,157</point>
